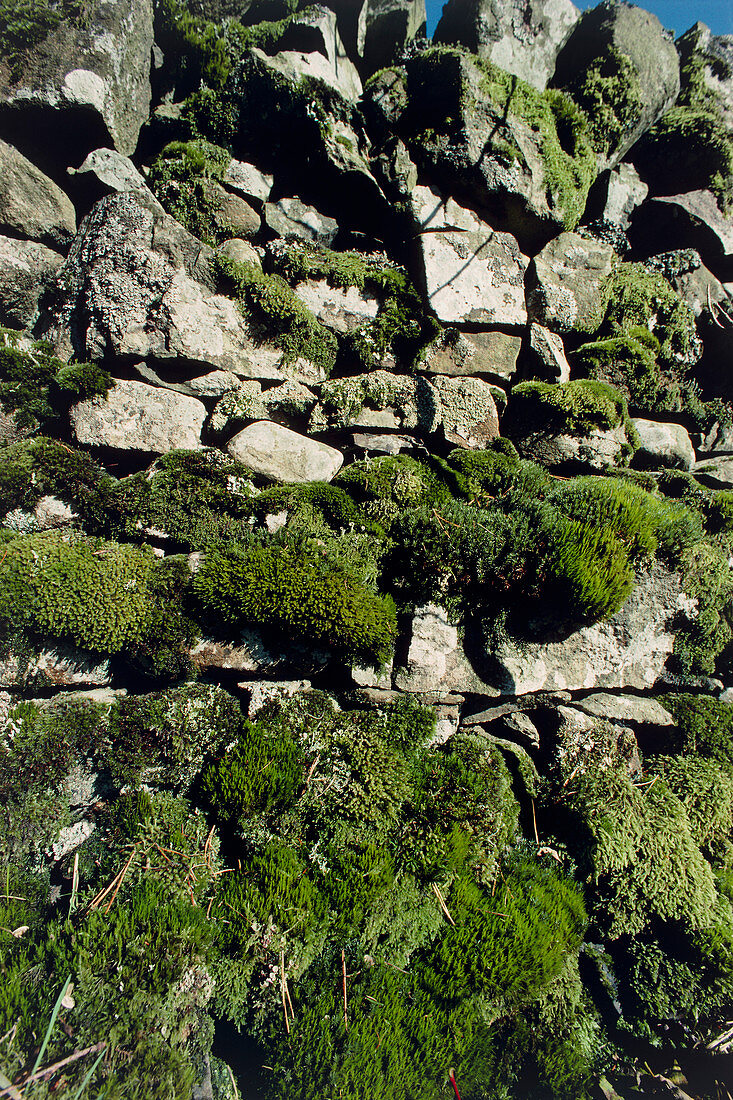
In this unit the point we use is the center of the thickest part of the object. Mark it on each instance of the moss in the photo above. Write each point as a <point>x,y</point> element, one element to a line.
<point>706,577</point>
<point>42,466</point>
<point>36,387</point>
<point>383,487</point>
<point>181,178</point>
<point>705,789</point>
<point>580,406</point>
<point>609,93</point>
<point>589,568</point>
<point>342,400</point>
<point>498,471</point>
<point>704,726</point>
<point>295,591</point>
<point>642,299</point>
<point>24,24</point>
<point>279,313</point>
<point>693,147</point>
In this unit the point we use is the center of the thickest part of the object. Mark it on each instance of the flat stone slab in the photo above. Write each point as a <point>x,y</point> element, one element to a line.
<point>625,708</point>
<point>280,454</point>
<point>136,417</point>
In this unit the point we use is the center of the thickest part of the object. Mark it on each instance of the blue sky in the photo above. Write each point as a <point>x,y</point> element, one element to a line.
<point>676,15</point>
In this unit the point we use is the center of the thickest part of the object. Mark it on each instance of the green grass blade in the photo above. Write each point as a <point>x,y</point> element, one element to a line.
<point>51,1022</point>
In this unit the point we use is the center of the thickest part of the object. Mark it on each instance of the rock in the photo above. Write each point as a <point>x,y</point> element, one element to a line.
<point>586,743</point>
<point>31,205</point>
<point>719,439</point>
<point>564,283</point>
<point>627,651</point>
<point>710,57</point>
<point>716,473</point>
<point>639,711</point>
<point>663,446</point>
<point>520,727</point>
<point>312,45</point>
<point>615,196</point>
<point>27,269</point>
<point>279,454</point>
<point>374,443</point>
<point>70,838</point>
<point>248,180</point>
<point>137,417</point>
<point>138,286</point>
<point>49,514</point>
<point>242,252</point>
<point>112,171</point>
<point>598,450</point>
<point>467,411</point>
<point>58,666</point>
<point>293,218</point>
<point>249,402</point>
<point>695,284</point>
<point>214,384</point>
<point>366,676</point>
<point>249,652</point>
<point>389,26</point>
<point>377,400</point>
<point>622,29</point>
<point>523,37</point>
<point>87,84</point>
<point>692,220</point>
<point>436,659</point>
<point>264,691</point>
<point>549,354</point>
<point>457,353</point>
<point>231,213</point>
<point>471,273</point>
<point>342,309</point>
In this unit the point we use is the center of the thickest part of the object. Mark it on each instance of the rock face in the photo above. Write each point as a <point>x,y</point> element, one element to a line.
<point>623,34</point>
<point>88,79</point>
<point>137,417</point>
<point>472,274</point>
<point>565,280</point>
<point>280,454</point>
<point>26,270</point>
<point>692,220</point>
<point>467,411</point>
<point>436,660</point>
<point>521,36</point>
<point>293,218</point>
<point>31,205</point>
<point>473,353</point>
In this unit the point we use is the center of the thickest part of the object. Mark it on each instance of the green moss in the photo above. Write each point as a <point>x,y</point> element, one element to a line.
<point>36,387</point>
<point>24,24</point>
<point>383,487</point>
<point>609,93</point>
<point>580,406</point>
<point>705,789</point>
<point>694,147</point>
<point>39,467</point>
<point>497,471</point>
<point>296,591</point>
<point>589,567</point>
<point>707,578</point>
<point>280,314</point>
<point>641,299</point>
<point>704,727</point>
<point>181,177</point>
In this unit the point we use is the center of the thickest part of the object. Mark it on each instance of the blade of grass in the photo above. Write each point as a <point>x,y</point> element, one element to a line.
<point>88,1075</point>
<point>51,1022</point>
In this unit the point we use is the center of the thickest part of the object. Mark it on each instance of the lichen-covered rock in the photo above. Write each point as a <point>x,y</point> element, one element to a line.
<point>635,709</point>
<point>57,666</point>
<point>136,417</point>
<point>467,411</point>
<point>112,172</point>
<point>279,454</point>
<point>623,69</point>
<point>86,83</point>
<point>137,285</point>
<point>663,445</point>
<point>716,472</point>
<point>312,47</point>
<point>522,36</point>
<point>597,450</point>
<point>616,195</point>
<point>293,218</point>
<point>377,400</point>
<point>247,180</point>
<point>31,205</point>
<point>549,353</point>
<point>27,269</point>
<point>436,659</point>
<point>456,353</point>
<point>342,309</point>
<point>472,273</point>
<point>565,282</point>
<point>389,27</point>
<point>250,402</point>
<point>691,220</point>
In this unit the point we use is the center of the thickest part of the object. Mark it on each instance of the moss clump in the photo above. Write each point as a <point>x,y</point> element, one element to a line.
<point>704,727</point>
<point>42,466</point>
<point>642,299</point>
<point>181,177</point>
<point>609,93</point>
<point>706,577</point>
<point>580,407</point>
<point>296,591</point>
<point>694,148</point>
<point>385,487</point>
<point>279,313</point>
<point>24,24</point>
<point>36,387</point>
<point>498,471</point>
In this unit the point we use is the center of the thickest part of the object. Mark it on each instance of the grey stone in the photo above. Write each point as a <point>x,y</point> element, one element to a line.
<point>89,77</point>
<point>549,353</point>
<point>248,180</point>
<point>618,193</point>
<point>585,743</point>
<point>249,652</point>
<point>520,727</point>
<point>31,205</point>
<point>230,212</point>
<point>719,439</point>
<point>27,269</point>
<point>716,473</point>
<point>458,353</point>
<point>214,384</point>
<point>374,443</point>
<point>242,252</point>
<point>378,399</point>
<point>280,454</point>
<point>436,660</point>
<point>638,710</point>
<point>523,37</point>
<point>341,309</point>
<point>690,220</point>
<point>262,692</point>
<point>471,273</point>
<point>711,56</point>
<point>113,171</point>
<point>467,411</point>
<point>49,514</point>
<point>58,666</point>
<point>138,286</point>
<point>565,281</point>
<point>629,650</point>
<point>640,37</point>
<point>250,402</point>
<point>136,417</point>
<point>389,26</point>
<point>597,450</point>
<point>704,294</point>
<point>663,445</point>
<point>312,45</point>
<point>293,218</point>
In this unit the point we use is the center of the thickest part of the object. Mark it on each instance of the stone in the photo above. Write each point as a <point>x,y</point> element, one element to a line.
<point>691,220</point>
<point>520,727</point>
<point>342,309</point>
<point>137,285</point>
<point>436,659</point>
<point>389,27</point>
<point>640,38</point>
<point>374,443</point>
<point>230,212</point>
<point>638,710</point>
<point>87,84</point>
<point>279,454</point>
<point>378,399</point>
<point>719,439</point>
<point>262,692</point>
<point>58,666</point>
<point>136,417</point>
<point>249,652</point>
<point>711,56</point>
<point>27,269</point>
<point>471,273</point>
<point>112,171</point>
<point>49,514</point>
<point>313,46</point>
<point>214,384</point>
<point>615,196</point>
<point>70,838</point>
<point>663,446</point>
<point>716,472</point>
<point>564,283</point>
<point>467,411</point>
<point>250,402</point>
<point>242,252</point>
<point>549,354</point>
<point>585,743</point>
<point>598,450</point>
<point>293,218</point>
<point>629,650</point>
<point>32,206</point>
<point>248,180</point>
<point>457,353</point>
<point>523,37</point>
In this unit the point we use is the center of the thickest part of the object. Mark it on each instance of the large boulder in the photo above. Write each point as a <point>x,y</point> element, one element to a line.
<point>27,269</point>
<point>471,273</point>
<point>521,36</point>
<point>279,454</point>
<point>133,416</point>
<point>375,32</point>
<point>137,285</point>
<point>663,446</point>
<point>623,68</point>
<point>83,85</point>
<point>31,205</point>
<point>564,283</point>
